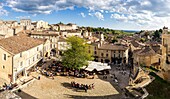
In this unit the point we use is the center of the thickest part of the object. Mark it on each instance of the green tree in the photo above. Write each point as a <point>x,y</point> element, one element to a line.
<point>156,34</point>
<point>160,30</point>
<point>89,29</point>
<point>60,22</point>
<point>113,32</point>
<point>114,40</point>
<point>77,55</point>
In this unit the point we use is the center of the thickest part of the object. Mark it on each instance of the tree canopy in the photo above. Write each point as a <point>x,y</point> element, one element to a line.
<point>157,34</point>
<point>77,55</point>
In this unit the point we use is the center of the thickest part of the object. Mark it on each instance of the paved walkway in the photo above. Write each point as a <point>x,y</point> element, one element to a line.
<point>60,88</point>
<point>122,75</point>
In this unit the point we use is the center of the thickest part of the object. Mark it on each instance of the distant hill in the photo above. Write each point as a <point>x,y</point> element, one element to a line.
<point>130,31</point>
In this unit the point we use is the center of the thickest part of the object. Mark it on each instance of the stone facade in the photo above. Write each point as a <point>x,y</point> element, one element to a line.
<point>109,53</point>
<point>68,26</point>
<point>52,36</point>
<point>26,24</point>
<point>42,24</point>
<point>165,50</point>
<point>20,55</point>
<point>62,45</point>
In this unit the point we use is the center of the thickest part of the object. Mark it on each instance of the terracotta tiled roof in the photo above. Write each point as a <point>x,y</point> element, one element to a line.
<point>17,44</point>
<point>156,48</point>
<point>61,39</point>
<point>113,47</point>
<point>95,43</point>
<point>146,51</point>
<point>71,31</point>
<point>135,44</point>
<point>153,42</point>
<point>44,33</point>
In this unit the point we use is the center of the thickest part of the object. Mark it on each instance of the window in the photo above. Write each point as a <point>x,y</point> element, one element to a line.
<point>3,67</point>
<point>95,48</point>
<point>29,62</point>
<point>114,52</point>
<point>37,48</point>
<point>89,51</point>
<point>106,50</point>
<point>4,56</point>
<point>107,55</point>
<point>119,51</point>
<point>101,60</point>
<point>95,52</point>
<point>101,54</point>
<point>20,54</point>
<point>33,59</point>
<point>21,64</point>
<point>37,56</point>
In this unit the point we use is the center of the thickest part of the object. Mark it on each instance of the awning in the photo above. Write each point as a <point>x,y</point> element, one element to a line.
<point>98,66</point>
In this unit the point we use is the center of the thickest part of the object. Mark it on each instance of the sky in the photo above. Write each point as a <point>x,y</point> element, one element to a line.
<point>114,14</point>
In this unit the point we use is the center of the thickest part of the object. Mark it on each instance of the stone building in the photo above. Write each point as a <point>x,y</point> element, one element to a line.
<point>52,36</point>
<point>67,33</point>
<point>109,53</point>
<point>19,54</point>
<point>165,49</point>
<point>147,56</point>
<point>9,28</point>
<point>62,45</point>
<point>68,26</point>
<point>41,25</point>
<point>26,24</point>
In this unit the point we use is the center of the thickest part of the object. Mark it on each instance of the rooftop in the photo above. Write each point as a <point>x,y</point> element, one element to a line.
<point>146,51</point>
<point>17,44</point>
<point>44,33</point>
<point>135,44</point>
<point>61,39</point>
<point>113,47</point>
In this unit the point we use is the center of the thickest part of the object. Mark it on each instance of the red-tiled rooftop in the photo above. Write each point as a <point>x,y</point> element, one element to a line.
<point>17,44</point>
<point>146,51</point>
<point>113,47</point>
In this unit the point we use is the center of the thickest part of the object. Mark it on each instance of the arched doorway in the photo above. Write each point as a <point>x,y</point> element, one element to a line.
<point>53,52</point>
<point>101,60</point>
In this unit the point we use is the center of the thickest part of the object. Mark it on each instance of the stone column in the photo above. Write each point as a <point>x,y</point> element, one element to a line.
<point>25,73</point>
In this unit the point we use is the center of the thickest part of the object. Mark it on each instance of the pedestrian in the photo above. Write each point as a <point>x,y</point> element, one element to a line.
<point>39,77</point>
<point>93,85</point>
<point>52,76</point>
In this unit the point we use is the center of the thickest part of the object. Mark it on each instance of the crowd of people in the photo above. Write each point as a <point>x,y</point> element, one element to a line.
<point>82,86</point>
<point>56,68</point>
<point>7,87</point>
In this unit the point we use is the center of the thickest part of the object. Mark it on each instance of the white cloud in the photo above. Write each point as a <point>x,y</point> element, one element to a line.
<point>82,14</point>
<point>99,15</point>
<point>119,17</point>
<point>23,17</point>
<point>90,14</point>
<point>136,11</point>
<point>2,10</point>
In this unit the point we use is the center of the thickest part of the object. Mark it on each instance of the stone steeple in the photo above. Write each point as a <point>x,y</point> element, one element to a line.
<point>165,30</point>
